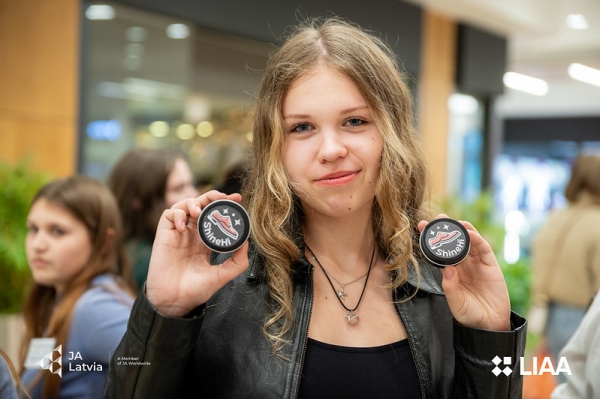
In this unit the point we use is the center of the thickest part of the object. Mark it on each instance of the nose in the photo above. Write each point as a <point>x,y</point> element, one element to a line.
<point>37,241</point>
<point>332,146</point>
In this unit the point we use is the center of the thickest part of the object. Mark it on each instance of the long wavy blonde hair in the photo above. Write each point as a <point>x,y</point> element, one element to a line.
<point>276,217</point>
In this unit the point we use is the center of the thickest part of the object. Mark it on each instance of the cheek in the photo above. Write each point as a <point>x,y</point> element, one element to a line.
<point>78,256</point>
<point>288,160</point>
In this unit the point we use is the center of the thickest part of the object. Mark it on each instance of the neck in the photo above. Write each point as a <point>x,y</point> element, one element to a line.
<point>344,243</point>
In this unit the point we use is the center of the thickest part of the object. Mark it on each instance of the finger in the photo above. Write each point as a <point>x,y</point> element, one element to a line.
<point>468,226</point>
<point>209,197</point>
<point>451,286</point>
<point>481,248</point>
<point>180,219</point>
<point>441,215</point>
<point>190,206</point>
<point>173,218</point>
<point>235,197</point>
<point>235,265</point>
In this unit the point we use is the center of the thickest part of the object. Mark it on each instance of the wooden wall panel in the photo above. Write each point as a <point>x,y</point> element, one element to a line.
<point>436,84</point>
<point>39,56</point>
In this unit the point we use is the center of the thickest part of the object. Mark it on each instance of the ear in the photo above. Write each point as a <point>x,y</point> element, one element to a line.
<point>110,238</point>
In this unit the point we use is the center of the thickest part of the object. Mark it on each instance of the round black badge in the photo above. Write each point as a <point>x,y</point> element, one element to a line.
<point>224,226</point>
<point>445,242</point>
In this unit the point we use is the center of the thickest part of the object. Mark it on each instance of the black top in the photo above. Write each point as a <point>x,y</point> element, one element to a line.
<point>381,372</point>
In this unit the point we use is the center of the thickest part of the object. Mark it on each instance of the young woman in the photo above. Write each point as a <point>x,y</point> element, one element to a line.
<point>331,298</point>
<point>566,257</point>
<point>146,182</point>
<point>82,292</point>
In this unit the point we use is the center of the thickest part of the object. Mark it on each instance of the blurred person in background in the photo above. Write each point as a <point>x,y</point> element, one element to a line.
<point>146,182</point>
<point>566,256</point>
<point>583,354</point>
<point>82,293</point>
<point>234,179</point>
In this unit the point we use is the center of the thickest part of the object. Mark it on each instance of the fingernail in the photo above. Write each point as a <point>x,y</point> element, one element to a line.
<point>448,273</point>
<point>198,208</point>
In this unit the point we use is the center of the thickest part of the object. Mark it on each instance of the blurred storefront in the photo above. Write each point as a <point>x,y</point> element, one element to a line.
<point>183,74</point>
<point>158,76</point>
<point>157,81</point>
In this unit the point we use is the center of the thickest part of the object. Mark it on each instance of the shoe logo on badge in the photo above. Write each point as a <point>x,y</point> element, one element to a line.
<point>443,238</point>
<point>444,242</point>
<point>223,222</point>
<point>223,226</point>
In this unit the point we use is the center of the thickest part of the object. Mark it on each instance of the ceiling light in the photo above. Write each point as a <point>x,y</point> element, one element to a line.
<point>577,21</point>
<point>100,11</point>
<point>136,34</point>
<point>585,74</point>
<point>178,31</point>
<point>526,83</point>
<point>185,131</point>
<point>159,128</point>
<point>205,129</point>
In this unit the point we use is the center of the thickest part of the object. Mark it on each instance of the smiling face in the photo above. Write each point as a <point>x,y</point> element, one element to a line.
<point>58,245</point>
<point>332,150</point>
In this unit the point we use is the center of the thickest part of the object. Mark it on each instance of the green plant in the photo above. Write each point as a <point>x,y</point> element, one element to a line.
<point>18,185</point>
<point>480,214</point>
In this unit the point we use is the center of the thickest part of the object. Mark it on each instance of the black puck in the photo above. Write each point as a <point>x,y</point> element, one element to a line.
<point>223,226</point>
<point>445,242</point>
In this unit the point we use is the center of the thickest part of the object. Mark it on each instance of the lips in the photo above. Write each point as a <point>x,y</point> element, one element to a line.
<point>38,262</point>
<point>338,178</point>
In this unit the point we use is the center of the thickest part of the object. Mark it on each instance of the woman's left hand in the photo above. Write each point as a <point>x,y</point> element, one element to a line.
<point>475,288</point>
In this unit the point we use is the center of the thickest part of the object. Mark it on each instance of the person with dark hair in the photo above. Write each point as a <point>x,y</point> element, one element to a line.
<point>234,179</point>
<point>566,257</point>
<point>331,297</point>
<point>82,293</point>
<point>146,182</point>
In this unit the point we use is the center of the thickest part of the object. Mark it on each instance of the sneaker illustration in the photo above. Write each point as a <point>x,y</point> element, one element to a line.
<point>442,238</point>
<point>223,223</point>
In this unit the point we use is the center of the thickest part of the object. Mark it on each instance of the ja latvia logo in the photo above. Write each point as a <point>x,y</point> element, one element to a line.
<point>53,361</point>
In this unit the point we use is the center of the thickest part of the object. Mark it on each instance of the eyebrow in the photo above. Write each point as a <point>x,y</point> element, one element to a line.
<point>344,112</point>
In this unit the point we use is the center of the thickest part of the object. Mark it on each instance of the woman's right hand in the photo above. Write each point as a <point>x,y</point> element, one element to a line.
<point>180,276</point>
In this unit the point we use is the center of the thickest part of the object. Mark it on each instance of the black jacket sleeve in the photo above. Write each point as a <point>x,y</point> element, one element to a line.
<point>151,359</point>
<point>489,361</point>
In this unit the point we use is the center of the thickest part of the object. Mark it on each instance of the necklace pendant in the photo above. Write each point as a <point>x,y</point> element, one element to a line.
<point>352,318</point>
<point>342,294</point>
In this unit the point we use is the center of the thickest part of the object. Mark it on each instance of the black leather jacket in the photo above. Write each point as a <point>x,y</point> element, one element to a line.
<point>221,352</point>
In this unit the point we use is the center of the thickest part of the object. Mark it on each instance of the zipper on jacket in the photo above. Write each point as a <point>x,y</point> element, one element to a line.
<point>312,269</point>
<point>412,351</point>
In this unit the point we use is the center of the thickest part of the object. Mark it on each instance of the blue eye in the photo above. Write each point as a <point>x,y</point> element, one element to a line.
<point>355,122</point>
<point>301,127</point>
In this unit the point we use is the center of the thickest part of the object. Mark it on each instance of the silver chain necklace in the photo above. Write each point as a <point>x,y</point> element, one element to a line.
<point>351,317</point>
<point>341,292</point>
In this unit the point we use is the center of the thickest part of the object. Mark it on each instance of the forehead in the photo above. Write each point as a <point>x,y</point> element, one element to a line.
<point>322,86</point>
<point>44,211</point>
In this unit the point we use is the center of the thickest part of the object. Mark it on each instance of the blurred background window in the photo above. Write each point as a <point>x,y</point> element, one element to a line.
<point>154,81</point>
